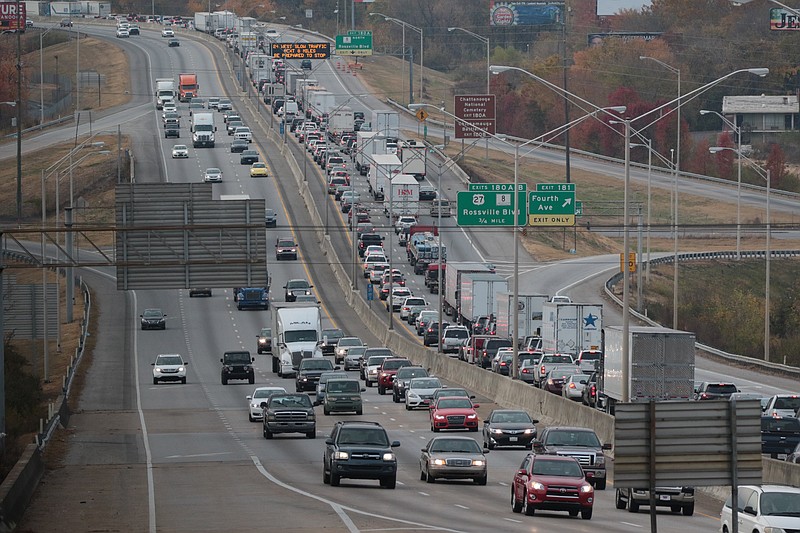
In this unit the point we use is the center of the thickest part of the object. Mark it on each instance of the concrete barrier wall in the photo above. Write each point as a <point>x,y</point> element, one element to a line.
<point>781,472</point>
<point>19,486</point>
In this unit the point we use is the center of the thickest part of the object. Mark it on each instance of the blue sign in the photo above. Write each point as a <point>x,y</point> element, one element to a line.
<point>280,130</point>
<point>370,292</point>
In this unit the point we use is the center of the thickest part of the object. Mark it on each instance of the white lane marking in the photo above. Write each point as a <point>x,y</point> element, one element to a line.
<point>196,455</point>
<point>502,483</point>
<point>461,506</point>
<point>631,524</point>
<point>512,520</point>
<point>423,493</point>
<point>151,496</point>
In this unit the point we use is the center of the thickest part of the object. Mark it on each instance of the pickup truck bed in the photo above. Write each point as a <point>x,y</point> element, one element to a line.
<point>779,435</point>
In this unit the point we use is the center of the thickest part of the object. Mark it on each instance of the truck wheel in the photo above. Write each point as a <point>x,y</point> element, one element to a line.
<point>311,434</point>
<point>389,482</point>
<point>251,379</point>
<point>276,368</point>
<point>688,510</point>
<point>618,502</point>
<point>224,381</point>
<point>334,479</point>
<point>369,383</point>
<point>326,477</point>
<point>600,484</point>
<point>586,514</point>
<point>381,390</point>
<point>359,411</point>
<point>155,381</point>
<point>267,433</point>
<point>633,507</point>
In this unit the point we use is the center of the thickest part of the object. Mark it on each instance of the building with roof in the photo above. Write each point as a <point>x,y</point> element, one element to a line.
<point>763,114</point>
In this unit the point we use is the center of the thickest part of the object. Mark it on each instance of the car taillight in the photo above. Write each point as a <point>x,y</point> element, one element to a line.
<point>571,385</point>
<point>542,370</point>
<point>503,364</point>
<point>525,371</point>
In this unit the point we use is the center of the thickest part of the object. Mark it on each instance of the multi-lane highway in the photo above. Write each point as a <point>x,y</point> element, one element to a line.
<point>177,457</point>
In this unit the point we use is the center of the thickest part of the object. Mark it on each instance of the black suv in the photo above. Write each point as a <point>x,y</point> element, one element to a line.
<point>368,239</point>
<point>237,365</point>
<point>401,379</point>
<point>359,450</point>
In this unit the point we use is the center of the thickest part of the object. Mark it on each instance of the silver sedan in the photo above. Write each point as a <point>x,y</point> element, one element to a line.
<point>453,458</point>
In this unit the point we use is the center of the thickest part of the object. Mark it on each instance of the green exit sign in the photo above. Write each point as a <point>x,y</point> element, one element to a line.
<point>478,208</point>
<point>555,187</point>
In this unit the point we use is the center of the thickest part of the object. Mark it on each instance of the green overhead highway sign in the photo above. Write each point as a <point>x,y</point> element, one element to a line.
<point>555,187</point>
<point>478,208</point>
<point>355,43</point>
<point>497,187</point>
<point>551,208</point>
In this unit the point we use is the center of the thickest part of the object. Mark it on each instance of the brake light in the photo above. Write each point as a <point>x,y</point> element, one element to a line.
<point>571,385</point>
<point>503,364</point>
<point>525,371</point>
<point>542,370</point>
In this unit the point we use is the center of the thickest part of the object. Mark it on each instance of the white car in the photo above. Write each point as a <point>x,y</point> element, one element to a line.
<point>169,367</point>
<point>399,295</point>
<point>212,175</point>
<point>180,151</point>
<point>371,369</point>
<point>404,222</point>
<point>420,391</point>
<point>122,33</point>
<point>373,249</point>
<point>272,33</point>
<point>166,32</point>
<point>344,344</point>
<point>573,387</point>
<point>769,508</point>
<point>243,133</point>
<point>169,107</point>
<point>453,338</point>
<point>409,303</point>
<point>257,400</point>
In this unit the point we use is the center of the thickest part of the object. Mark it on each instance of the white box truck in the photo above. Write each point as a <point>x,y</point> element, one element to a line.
<point>321,103</point>
<point>297,334</point>
<point>479,295</point>
<point>568,328</point>
<point>529,321</point>
<point>206,22</point>
<point>414,156</point>
<point>165,92</point>
<point>365,149</point>
<point>203,130</point>
<point>382,169</point>
<point>660,365</point>
<point>403,198</point>
<point>452,283</point>
<point>341,120</point>
<point>386,122</point>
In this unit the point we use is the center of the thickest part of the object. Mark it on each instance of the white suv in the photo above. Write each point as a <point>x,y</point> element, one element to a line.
<point>764,508</point>
<point>169,367</point>
<point>453,338</point>
<point>243,133</point>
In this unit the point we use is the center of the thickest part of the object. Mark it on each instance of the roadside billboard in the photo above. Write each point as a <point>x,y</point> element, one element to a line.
<point>10,18</point>
<point>530,13</point>
<point>783,20</point>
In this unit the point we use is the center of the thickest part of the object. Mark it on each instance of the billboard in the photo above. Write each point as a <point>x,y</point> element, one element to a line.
<point>531,13</point>
<point>596,39</point>
<point>10,18</point>
<point>782,20</point>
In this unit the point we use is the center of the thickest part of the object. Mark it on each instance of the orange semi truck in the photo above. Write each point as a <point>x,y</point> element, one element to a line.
<point>188,87</point>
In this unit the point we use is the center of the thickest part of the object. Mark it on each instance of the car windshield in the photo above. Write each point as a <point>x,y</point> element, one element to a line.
<point>152,313</point>
<point>549,467</point>
<point>331,375</point>
<point>457,333</point>
<point>792,403</point>
<point>454,403</point>
<point>301,335</point>
<point>266,332</point>
<point>411,372</point>
<point>332,334</point>
<point>237,357</point>
<point>350,386</point>
<point>266,393</point>
<point>297,284</point>
<point>394,365</point>
<point>415,301</point>
<point>376,360</point>
<point>386,352</point>
<point>556,359</point>
<point>290,400</point>
<point>356,351</point>
<point>780,504</point>
<point>573,438</point>
<point>425,383</point>
<point>721,388</point>
<point>363,436</point>
<point>316,364</point>
<point>286,242</point>
<point>169,360</point>
<point>443,445</point>
<point>461,393</point>
<point>213,171</point>
<point>579,378</point>
<point>511,417</point>
<point>590,356</point>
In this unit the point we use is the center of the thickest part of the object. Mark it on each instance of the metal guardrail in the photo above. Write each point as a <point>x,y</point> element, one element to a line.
<point>701,256</point>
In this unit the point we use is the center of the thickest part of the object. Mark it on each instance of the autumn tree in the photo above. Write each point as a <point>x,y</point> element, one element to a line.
<point>725,158</point>
<point>776,164</point>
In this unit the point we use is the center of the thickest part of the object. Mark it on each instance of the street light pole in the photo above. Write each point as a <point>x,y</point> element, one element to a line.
<point>738,131</point>
<point>765,174</point>
<point>488,51</point>
<point>649,146</point>
<point>421,44</point>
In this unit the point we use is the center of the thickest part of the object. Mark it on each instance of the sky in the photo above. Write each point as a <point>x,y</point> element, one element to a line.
<point>609,7</point>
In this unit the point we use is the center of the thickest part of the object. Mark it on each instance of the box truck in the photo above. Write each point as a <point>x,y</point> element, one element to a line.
<point>660,364</point>
<point>452,285</point>
<point>386,122</point>
<point>568,328</point>
<point>165,91</point>
<point>203,130</point>
<point>529,321</point>
<point>403,198</point>
<point>479,296</point>
<point>383,168</point>
<point>414,156</point>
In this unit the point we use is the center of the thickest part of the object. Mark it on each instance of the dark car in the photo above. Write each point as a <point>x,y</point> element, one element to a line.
<point>237,365</point>
<point>153,319</point>
<point>270,218</point>
<point>173,42</point>
<point>305,64</point>
<point>426,193</point>
<point>368,239</point>
<point>172,131</point>
<point>248,157</point>
<point>238,146</point>
<point>779,436</point>
<point>359,450</point>
<point>330,339</point>
<point>264,342</point>
<point>580,443</point>
<point>509,427</point>
<point>401,379</point>
<point>198,291</point>
<point>65,23</point>
<point>714,391</point>
<point>308,372</point>
<point>289,413</point>
<point>296,287</point>
<point>431,335</point>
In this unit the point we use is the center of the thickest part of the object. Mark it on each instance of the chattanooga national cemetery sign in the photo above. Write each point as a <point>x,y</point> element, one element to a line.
<point>476,110</point>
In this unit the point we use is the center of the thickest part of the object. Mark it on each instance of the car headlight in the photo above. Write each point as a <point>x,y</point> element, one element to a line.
<point>530,431</point>
<point>535,485</point>
<point>438,462</point>
<point>600,459</point>
<point>254,404</point>
<point>472,417</point>
<point>496,431</point>
<point>303,379</point>
<point>586,488</point>
<point>439,417</point>
<point>478,462</point>
<point>181,369</point>
<point>413,395</point>
<point>384,374</point>
<point>388,456</point>
<point>262,341</point>
<point>158,369</point>
<point>342,456</point>
<point>271,417</point>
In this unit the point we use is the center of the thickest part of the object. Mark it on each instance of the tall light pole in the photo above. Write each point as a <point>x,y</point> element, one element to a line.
<point>628,133</point>
<point>649,146</point>
<point>765,174</point>
<point>676,169</point>
<point>421,44</point>
<point>738,131</point>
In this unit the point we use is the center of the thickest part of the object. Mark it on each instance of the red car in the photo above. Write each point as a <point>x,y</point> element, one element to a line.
<point>387,371</point>
<point>454,413</point>
<point>551,483</point>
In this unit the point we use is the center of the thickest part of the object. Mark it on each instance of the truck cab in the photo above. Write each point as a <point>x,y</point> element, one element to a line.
<point>298,335</point>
